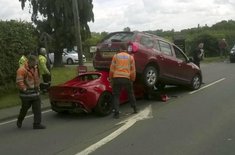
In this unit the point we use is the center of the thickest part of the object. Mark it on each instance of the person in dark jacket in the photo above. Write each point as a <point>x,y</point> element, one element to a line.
<point>198,54</point>
<point>223,48</point>
<point>27,80</point>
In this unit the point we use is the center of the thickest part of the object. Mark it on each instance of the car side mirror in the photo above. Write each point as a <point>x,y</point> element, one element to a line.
<point>190,60</point>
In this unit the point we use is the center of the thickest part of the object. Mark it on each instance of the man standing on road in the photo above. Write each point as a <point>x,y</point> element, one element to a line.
<point>44,70</point>
<point>27,80</point>
<point>122,75</point>
<point>223,47</point>
<point>198,54</point>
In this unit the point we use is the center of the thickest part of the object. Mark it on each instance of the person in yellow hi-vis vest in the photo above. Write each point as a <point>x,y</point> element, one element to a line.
<point>122,75</point>
<point>23,59</point>
<point>44,70</point>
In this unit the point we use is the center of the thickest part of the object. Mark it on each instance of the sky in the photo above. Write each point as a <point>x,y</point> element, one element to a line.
<point>142,15</point>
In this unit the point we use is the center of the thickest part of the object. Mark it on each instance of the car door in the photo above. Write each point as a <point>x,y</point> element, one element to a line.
<point>64,57</point>
<point>145,53</point>
<point>166,61</point>
<point>184,70</point>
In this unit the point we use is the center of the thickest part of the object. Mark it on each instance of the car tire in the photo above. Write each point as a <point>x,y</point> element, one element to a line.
<point>69,61</point>
<point>104,104</point>
<point>196,82</point>
<point>150,76</point>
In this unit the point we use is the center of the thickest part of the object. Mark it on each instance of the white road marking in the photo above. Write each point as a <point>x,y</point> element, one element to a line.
<point>213,83</point>
<point>14,120</point>
<point>144,114</point>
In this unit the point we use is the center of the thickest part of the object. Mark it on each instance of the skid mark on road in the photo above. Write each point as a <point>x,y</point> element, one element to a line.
<point>206,86</point>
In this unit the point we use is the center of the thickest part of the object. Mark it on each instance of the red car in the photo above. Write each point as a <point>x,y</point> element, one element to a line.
<point>158,61</point>
<point>87,92</point>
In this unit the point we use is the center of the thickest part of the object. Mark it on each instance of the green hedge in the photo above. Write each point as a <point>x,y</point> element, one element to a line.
<point>14,35</point>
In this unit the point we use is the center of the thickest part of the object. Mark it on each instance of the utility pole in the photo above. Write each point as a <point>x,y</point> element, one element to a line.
<point>77,31</point>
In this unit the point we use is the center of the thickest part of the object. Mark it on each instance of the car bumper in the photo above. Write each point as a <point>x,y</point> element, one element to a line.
<point>73,107</point>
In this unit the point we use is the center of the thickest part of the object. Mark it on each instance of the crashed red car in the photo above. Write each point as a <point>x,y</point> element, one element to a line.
<point>88,92</point>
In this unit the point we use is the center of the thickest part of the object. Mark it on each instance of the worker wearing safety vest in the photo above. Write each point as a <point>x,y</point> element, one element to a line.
<point>44,71</point>
<point>122,75</point>
<point>23,59</point>
<point>27,80</point>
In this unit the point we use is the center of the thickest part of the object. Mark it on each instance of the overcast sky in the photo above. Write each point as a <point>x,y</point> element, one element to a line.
<point>115,15</point>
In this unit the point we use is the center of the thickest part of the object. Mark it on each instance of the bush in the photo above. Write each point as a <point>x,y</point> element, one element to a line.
<point>14,36</point>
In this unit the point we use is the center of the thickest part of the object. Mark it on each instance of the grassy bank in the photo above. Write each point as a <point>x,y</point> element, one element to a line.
<point>59,75</point>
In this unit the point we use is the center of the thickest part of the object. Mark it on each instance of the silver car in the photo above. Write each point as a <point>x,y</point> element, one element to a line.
<point>68,57</point>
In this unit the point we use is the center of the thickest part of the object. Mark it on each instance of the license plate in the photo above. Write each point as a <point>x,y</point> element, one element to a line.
<point>64,104</point>
<point>108,54</point>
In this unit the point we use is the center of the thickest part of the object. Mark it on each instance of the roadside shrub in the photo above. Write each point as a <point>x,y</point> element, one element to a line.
<point>14,35</point>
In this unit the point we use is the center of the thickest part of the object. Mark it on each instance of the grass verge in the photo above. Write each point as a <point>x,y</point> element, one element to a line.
<point>59,75</point>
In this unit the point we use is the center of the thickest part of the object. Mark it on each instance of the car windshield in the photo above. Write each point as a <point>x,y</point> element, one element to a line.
<point>72,52</point>
<point>89,77</point>
<point>119,37</point>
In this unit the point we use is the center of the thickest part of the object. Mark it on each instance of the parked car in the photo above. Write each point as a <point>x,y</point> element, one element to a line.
<point>68,57</point>
<point>88,92</point>
<point>232,55</point>
<point>158,61</point>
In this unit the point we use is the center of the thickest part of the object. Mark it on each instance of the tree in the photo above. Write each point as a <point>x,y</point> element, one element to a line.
<point>56,18</point>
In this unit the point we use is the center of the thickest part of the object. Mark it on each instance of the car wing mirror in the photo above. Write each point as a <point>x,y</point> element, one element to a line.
<point>190,60</point>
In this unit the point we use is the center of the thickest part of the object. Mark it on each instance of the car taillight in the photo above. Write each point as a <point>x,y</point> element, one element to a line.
<point>132,47</point>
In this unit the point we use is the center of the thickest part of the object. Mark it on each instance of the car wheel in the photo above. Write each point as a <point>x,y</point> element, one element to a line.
<point>104,104</point>
<point>69,61</point>
<point>231,61</point>
<point>196,82</point>
<point>150,76</point>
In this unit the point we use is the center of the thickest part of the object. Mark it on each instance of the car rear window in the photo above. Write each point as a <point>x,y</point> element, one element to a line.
<point>119,37</point>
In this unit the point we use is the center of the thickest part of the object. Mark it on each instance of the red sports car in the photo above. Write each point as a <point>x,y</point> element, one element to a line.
<point>87,92</point>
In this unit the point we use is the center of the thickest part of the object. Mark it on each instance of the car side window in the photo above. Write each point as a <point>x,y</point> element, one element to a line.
<point>179,54</point>
<point>165,48</point>
<point>156,46</point>
<point>147,41</point>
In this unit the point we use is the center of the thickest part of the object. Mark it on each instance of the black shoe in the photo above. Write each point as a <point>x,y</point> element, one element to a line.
<point>135,110</point>
<point>19,124</point>
<point>39,126</point>
<point>116,115</point>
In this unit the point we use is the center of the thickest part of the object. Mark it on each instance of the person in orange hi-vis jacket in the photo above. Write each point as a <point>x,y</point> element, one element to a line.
<point>122,75</point>
<point>27,80</point>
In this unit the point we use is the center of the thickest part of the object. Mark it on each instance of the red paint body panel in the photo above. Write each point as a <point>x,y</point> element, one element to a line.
<point>84,91</point>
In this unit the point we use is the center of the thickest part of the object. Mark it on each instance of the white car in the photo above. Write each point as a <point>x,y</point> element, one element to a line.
<point>68,57</point>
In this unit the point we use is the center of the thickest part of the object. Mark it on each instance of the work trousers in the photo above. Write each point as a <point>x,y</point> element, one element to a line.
<point>44,86</point>
<point>117,85</point>
<point>27,102</point>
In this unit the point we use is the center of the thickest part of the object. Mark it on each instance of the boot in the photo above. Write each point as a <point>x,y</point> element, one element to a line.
<point>116,115</point>
<point>135,110</point>
<point>39,126</point>
<point>19,123</point>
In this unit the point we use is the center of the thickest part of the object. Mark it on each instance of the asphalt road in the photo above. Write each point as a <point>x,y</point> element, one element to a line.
<point>189,123</point>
